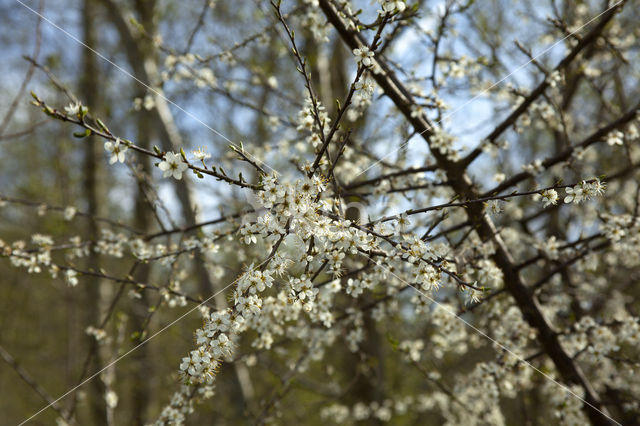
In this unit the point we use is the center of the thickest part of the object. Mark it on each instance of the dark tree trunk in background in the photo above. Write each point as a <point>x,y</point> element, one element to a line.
<point>93,172</point>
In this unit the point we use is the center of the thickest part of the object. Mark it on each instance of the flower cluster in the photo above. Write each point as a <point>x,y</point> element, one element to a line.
<point>584,191</point>
<point>365,88</point>
<point>412,349</point>
<point>313,120</point>
<point>443,142</point>
<point>315,22</point>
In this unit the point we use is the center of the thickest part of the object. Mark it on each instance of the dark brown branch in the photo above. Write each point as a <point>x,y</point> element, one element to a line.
<point>532,313</point>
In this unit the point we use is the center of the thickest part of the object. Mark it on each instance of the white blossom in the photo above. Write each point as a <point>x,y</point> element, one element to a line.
<point>615,138</point>
<point>71,277</point>
<point>117,150</point>
<point>549,197</point>
<point>75,108</point>
<point>364,56</point>
<point>69,213</point>
<point>173,165</point>
<point>390,6</point>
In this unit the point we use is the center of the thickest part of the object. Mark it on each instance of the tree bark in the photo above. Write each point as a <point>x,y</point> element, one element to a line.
<point>93,172</point>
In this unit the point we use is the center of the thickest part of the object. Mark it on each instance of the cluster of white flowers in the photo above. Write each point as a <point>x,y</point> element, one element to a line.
<point>602,342</point>
<point>315,22</point>
<point>620,227</point>
<point>365,88</point>
<point>443,142</point>
<point>451,334</point>
<point>584,191</point>
<point>534,168</point>
<point>288,211</point>
<point>205,77</point>
<point>477,392</point>
<point>548,115</point>
<point>32,260</point>
<point>302,291</point>
<point>412,349</point>
<point>462,67</point>
<point>417,111</point>
<point>147,103</point>
<point>494,148</point>
<point>308,122</point>
<point>550,247</point>
<point>97,333</point>
<point>78,249</point>
<point>293,220</point>
<point>568,408</point>
<point>555,79</point>
<point>368,412</point>
<point>508,326</point>
<point>488,275</point>
<point>111,244</point>
<point>630,331</point>
<point>179,68</point>
<point>181,405</point>
<point>624,233</point>
<point>202,364</point>
<point>172,293</point>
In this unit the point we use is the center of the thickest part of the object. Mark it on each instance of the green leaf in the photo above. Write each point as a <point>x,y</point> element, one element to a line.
<point>102,125</point>
<point>394,342</point>
<point>81,135</point>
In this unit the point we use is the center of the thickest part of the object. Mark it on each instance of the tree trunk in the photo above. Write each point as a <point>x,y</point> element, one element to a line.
<point>93,172</point>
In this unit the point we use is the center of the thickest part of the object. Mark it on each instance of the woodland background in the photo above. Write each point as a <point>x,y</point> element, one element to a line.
<point>43,321</point>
